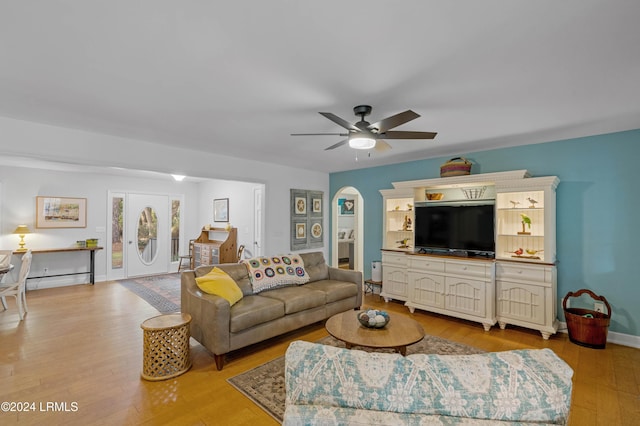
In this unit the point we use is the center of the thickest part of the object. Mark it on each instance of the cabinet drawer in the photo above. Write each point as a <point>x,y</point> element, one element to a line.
<point>475,269</point>
<point>390,258</point>
<point>523,272</point>
<point>425,263</point>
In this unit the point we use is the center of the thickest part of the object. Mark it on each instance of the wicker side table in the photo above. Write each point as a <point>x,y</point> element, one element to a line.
<point>166,346</point>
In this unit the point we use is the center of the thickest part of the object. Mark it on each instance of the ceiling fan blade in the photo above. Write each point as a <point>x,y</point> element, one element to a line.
<point>408,135</point>
<point>382,146</point>
<point>339,121</point>
<point>394,121</point>
<point>339,144</point>
<point>319,134</point>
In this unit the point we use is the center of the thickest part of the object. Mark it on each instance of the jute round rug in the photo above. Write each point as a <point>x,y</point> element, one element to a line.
<point>264,385</point>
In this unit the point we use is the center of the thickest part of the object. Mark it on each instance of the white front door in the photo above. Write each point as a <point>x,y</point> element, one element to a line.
<point>148,234</point>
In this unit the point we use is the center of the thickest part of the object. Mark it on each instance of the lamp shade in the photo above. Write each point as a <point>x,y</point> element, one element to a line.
<point>362,142</point>
<point>22,230</point>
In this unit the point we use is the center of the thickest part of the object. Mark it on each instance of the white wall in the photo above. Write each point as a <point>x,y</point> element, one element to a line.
<point>44,142</point>
<point>20,186</point>
<point>241,206</point>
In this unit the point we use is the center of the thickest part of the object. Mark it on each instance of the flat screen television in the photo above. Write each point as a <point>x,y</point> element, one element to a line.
<point>455,227</point>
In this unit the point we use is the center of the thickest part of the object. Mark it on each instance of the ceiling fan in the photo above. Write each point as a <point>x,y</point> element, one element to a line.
<point>363,135</point>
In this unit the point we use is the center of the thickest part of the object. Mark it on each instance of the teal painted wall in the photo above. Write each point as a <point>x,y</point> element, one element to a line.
<point>598,208</point>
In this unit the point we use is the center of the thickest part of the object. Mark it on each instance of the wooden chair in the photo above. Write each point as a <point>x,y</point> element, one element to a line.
<point>186,260</point>
<point>18,289</point>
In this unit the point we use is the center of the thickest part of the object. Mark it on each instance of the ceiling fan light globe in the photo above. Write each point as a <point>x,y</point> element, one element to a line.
<point>362,142</point>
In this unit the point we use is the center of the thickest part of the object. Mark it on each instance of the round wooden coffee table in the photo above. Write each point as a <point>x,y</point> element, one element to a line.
<point>401,332</point>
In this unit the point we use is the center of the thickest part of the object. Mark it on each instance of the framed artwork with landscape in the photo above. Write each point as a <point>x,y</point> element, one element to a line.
<point>61,212</point>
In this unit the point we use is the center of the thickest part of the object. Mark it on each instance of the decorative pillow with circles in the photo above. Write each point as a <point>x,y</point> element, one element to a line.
<point>271,272</point>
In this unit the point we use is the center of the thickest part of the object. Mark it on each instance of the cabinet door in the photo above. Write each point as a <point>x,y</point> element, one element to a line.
<point>466,296</point>
<point>394,282</point>
<point>517,301</point>
<point>426,289</point>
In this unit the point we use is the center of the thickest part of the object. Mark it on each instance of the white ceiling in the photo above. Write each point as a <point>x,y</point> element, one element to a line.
<point>236,78</point>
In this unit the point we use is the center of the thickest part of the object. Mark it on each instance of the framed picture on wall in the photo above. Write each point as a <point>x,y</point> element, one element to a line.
<point>61,212</point>
<point>306,219</point>
<point>221,210</point>
<point>346,206</point>
<point>317,205</point>
<point>300,205</point>
<point>301,231</point>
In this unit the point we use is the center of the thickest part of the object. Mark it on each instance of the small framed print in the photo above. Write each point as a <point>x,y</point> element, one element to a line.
<point>301,231</point>
<point>347,207</point>
<point>317,205</point>
<point>221,210</point>
<point>300,205</point>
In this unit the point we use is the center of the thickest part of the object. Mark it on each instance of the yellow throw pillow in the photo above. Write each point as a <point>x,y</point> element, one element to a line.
<point>221,284</point>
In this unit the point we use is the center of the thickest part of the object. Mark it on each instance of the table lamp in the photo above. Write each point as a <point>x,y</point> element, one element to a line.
<point>22,230</point>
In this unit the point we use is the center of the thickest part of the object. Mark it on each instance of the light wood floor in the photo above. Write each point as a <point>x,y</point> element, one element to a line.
<point>83,345</point>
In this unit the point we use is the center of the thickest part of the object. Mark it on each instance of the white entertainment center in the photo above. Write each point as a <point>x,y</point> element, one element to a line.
<point>516,285</point>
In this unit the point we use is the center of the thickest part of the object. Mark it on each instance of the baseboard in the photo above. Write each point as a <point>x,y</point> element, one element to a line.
<point>612,337</point>
<point>53,282</point>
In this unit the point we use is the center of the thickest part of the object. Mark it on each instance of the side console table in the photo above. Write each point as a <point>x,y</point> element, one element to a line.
<point>92,261</point>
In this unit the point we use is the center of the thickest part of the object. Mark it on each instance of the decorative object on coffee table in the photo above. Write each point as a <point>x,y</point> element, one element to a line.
<point>166,346</point>
<point>373,318</point>
<point>400,332</point>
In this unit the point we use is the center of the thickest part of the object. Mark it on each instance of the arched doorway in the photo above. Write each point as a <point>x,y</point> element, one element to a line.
<point>347,224</point>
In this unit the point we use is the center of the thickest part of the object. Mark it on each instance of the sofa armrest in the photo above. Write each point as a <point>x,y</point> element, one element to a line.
<point>210,315</point>
<point>350,276</point>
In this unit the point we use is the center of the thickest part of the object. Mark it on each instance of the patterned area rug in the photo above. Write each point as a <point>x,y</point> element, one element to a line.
<point>264,385</point>
<point>160,291</point>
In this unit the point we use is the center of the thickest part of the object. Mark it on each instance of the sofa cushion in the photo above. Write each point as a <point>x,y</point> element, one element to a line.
<point>334,290</point>
<point>221,284</point>
<point>297,299</point>
<point>513,386</point>
<point>253,310</point>
<point>237,271</point>
<point>315,265</point>
<point>276,271</point>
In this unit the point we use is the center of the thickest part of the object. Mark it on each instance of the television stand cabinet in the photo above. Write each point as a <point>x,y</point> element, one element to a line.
<point>518,287</point>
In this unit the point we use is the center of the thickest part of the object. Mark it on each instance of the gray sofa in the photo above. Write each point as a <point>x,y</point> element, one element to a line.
<point>222,328</point>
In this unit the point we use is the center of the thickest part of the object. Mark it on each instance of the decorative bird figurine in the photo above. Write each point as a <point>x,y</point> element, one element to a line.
<point>514,204</point>
<point>525,220</point>
<point>533,203</point>
<point>532,252</point>
<point>403,243</point>
<point>518,252</point>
